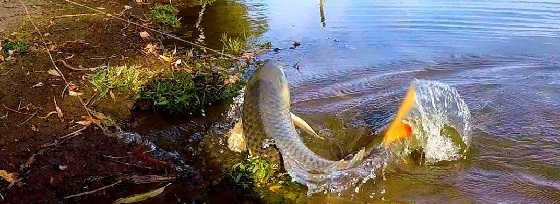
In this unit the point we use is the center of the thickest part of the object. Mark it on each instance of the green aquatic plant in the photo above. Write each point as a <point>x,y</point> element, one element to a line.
<point>15,46</point>
<point>259,178</point>
<point>255,170</point>
<point>233,45</point>
<point>165,14</point>
<point>121,78</point>
<point>183,92</point>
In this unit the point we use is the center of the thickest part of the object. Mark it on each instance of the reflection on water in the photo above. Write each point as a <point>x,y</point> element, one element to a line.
<point>358,57</point>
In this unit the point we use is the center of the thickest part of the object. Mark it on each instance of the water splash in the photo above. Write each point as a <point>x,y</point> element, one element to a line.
<point>440,123</point>
<point>441,130</point>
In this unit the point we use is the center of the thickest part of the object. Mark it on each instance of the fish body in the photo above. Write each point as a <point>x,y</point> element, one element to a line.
<point>266,115</point>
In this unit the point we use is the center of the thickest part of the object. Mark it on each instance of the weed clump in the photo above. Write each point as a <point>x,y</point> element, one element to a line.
<point>233,45</point>
<point>183,92</point>
<point>165,14</point>
<point>121,78</point>
<point>257,177</point>
<point>15,47</point>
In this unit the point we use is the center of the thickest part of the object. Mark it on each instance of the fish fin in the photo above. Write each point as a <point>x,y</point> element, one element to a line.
<point>399,130</point>
<point>236,139</point>
<point>304,126</point>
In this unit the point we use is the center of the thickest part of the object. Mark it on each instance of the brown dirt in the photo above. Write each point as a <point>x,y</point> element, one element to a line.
<point>80,163</point>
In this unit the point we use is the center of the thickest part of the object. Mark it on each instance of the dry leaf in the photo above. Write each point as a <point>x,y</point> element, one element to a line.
<point>27,163</point>
<point>13,177</point>
<point>53,72</point>
<point>164,58</point>
<point>73,93</point>
<point>38,85</point>
<point>141,197</point>
<point>1,58</point>
<point>151,48</point>
<point>87,120</point>
<point>178,62</point>
<point>144,35</point>
<point>112,95</point>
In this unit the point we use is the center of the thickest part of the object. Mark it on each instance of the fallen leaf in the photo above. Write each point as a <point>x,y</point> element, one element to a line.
<point>34,128</point>
<point>144,35</point>
<point>87,120</point>
<point>165,58</point>
<point>27,163</point>
<point>1,58</point>
<point>151,48</point>
<point>38,85</point>
<point>178,62</point>
<point>53,72</point>
<point>73,93</point>
<point>112,95</point>
<point>139,1</point>
<point>10,177</point>
<point>62,167</point>
<point>126,7</point>
<point>141,197</point>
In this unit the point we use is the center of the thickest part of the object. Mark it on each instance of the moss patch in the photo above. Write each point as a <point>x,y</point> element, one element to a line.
<point>15,46</point>
<point>165,14</point>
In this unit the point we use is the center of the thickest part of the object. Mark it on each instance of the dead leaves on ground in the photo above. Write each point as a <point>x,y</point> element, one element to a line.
<point>141,197</point>
<point>9,177</point>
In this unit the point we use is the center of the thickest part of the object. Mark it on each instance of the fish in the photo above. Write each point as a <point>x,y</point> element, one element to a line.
<point>269,126</point>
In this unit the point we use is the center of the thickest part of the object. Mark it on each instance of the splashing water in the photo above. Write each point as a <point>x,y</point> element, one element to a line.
<point>441,130</point>
<point>440,123</point>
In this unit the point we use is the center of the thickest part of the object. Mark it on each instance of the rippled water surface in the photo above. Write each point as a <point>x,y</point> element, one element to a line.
<point>358,57</point>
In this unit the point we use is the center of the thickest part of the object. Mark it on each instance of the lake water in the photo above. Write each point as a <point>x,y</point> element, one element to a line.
<point>357,58</point>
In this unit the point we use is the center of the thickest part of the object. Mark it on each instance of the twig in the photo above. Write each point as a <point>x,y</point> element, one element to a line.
<point>151,179</point>
<point>29,118</point>
<point>125,163</point>
<point>93,191</point>
<point>15,111</point>
<point>76,15</point>
<point>44,44</point>
<point>78,69</point>
<point>64,138</point>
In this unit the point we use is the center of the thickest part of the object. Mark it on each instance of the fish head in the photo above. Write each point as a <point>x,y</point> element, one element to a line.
<point>272,82</point>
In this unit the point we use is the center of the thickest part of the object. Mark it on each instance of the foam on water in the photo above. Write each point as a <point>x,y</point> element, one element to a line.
<point>441,130</point>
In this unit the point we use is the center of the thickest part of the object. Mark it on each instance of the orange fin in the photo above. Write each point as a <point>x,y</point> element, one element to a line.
<point>399,130</point>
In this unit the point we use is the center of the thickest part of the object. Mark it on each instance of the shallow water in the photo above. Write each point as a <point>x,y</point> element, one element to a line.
<point>357,58</point>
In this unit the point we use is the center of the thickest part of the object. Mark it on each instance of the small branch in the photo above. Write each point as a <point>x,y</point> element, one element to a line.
<point>29,118</point>
<point>15,111</point>
<point>93,191</point>
<point>76,15</point>
<point>78,69</point>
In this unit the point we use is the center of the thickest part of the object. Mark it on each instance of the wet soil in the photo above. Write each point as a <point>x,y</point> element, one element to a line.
<point>51,168</point>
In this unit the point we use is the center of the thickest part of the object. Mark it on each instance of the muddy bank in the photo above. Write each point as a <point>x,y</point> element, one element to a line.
<point>53,112</point>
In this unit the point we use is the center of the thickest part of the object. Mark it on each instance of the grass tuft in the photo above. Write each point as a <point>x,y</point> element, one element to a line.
<point>121,78</point>
<point>15,46</point>
<point>165,14</point>
<point>183,92</point>
<point>233,45</point>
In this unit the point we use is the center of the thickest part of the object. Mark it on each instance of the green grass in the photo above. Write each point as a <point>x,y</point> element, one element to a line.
<point>254,171</point>
<point>182,92</point>
<point>233,45</point>
<point>257,177</point>
<point>207,2</point>
<point>15,46</point>
<point>121,78</point>
<point>165,14</point>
